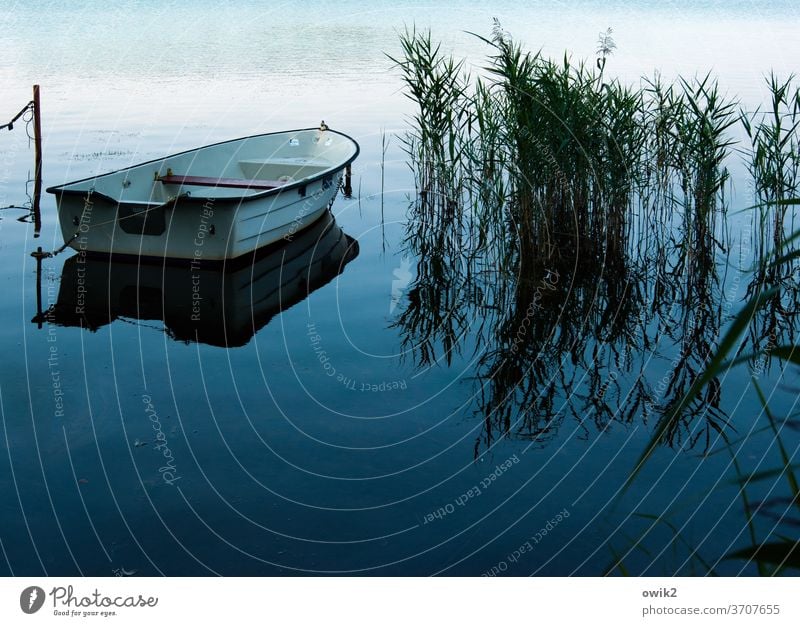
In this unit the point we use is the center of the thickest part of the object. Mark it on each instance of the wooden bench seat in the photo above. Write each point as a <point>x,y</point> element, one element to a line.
<point>209,181</point>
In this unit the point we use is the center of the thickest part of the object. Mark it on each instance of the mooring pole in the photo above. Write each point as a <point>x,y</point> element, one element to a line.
<point>39,255</point>
<point>37,176</point>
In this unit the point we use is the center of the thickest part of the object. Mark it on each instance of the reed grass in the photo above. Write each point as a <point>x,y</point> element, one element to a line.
<point>547,154</point>
<point>537,163</point>
<point>540,165</point>
<point>767,522</point>
<point>774,554</point>
<point>437,84</point>
<point>773,157</point>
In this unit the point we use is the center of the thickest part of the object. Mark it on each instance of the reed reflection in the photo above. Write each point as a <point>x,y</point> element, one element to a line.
<point>596,337</point>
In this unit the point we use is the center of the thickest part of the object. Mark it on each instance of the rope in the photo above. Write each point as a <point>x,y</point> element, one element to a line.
<point>28,108</point>
<point>66,243</point>
<point>25,109</point>
<point>41,254</point>
<point>87,227</point>
<point>28,205</point>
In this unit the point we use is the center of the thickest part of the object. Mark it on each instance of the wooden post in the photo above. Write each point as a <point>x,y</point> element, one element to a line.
<point>37,176</point>
<point>38,255</point>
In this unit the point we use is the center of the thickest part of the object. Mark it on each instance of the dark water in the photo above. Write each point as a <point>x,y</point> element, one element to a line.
<point>370,415</point>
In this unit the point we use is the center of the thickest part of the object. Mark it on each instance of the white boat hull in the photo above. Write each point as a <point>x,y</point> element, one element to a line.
<point>209,204</point>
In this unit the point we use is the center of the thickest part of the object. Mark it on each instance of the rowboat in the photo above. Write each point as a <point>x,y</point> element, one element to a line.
<point>212,304</point>
<point>213,203</point>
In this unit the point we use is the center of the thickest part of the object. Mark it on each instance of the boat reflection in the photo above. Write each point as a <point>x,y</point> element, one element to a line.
<point>219,305</point>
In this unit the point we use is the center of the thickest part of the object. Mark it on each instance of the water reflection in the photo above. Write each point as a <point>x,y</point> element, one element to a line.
<point>775,323</point>
<point>583,335</point>
<point>220,305</point>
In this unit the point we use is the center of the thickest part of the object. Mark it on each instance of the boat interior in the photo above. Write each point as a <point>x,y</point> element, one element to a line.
<point>232,169</point>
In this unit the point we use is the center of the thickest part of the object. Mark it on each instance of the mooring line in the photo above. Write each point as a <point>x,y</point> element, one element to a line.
<point>25,109</point>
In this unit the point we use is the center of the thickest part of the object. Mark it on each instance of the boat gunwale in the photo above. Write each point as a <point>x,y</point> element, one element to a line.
<point>59,190</point>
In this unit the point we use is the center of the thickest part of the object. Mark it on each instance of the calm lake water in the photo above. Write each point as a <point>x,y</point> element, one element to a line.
<point>322,440</point>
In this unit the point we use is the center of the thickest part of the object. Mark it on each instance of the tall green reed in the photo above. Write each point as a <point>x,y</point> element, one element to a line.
<point>539,163</point>
<point>549,155</point>
<point>774,157</point>
<point>437,84</point>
